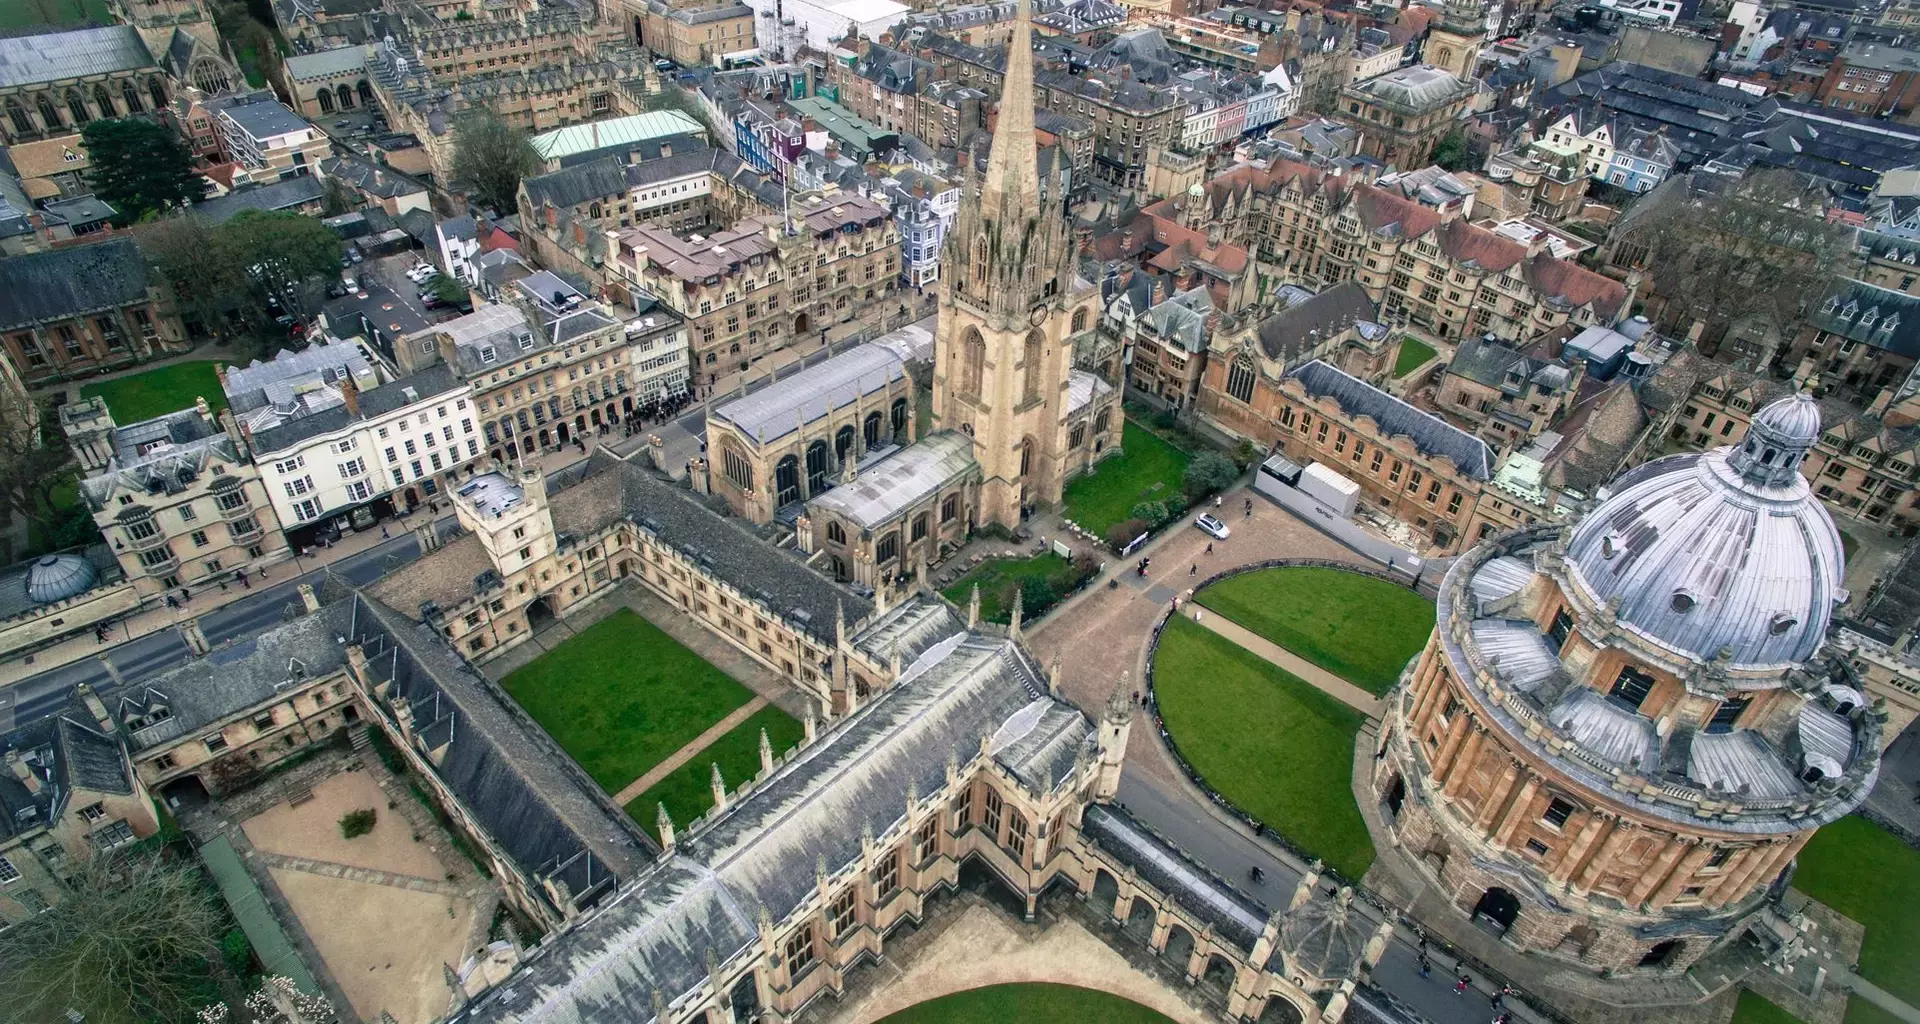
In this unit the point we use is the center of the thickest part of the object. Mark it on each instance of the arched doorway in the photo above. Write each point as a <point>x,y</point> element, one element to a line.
<point>1280,1011</point>
<point>560,431</point>
<point>1218,976</point>
<point>1179,947</point>
<point>1139,923</point>
<point>185,791</point>
<point>1662,954</point>
<point>800,325</point>
<point>539,614</point>
<point>1497,910</point>
<point>1106,891</point>
<point>1396,796</point>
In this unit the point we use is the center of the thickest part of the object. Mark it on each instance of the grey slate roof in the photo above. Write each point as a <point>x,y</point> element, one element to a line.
<point>1395,418</point>
<point>89,759</point>
<point>759,855</point>
<point>1299,327</point>
<point>52,56</point>
<point>437,379</point>
<point>786,405</point>
<point>1235,916</point>
<point>54,285</point>
<point>326,63</point>
<point>285,194</point>
<point>900,480</point>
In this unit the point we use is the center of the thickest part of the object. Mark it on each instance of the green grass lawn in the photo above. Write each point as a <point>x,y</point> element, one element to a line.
<point>1000,577</point>
<point>1414,354</point>
<point>161,390</point>
<point>1357,627</point>
<point>622,695</point>
<point>1754,1009</point>
<point>1017,1004</point>
<point>688,791</point>
<point>1868,874</point>
<point>76,528</point>
<point>28,13</point>
<point>1276,747</point>
<point>1847,546</point>
<point>1149,469</point>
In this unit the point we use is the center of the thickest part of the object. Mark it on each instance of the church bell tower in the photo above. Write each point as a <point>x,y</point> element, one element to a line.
<point>1453,43</point>
<point>1003,360</point>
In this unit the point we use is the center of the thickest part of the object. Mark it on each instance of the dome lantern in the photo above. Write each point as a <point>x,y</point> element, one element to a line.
<point>1777,442</point>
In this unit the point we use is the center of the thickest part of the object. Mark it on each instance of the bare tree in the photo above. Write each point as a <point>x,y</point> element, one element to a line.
<point>490,157</point>
<point>1761,246</point>
<point>133,939</point>
<point>33,458</point>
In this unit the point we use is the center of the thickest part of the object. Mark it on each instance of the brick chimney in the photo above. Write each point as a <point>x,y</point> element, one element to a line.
<point>350,394</point>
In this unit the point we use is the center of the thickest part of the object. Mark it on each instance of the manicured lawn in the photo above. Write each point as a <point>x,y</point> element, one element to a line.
<point>159,391</point>
<point>622,695</point>
<point>1149,469</point>
<point>688,791</point>
<point>1414,354</point>
<point>1018,1004</point>
<point>27,13</point>
<point>1754,1009</point>
<point>1868,874</point>
<point>1359,628</point>
<point>1847,546</point>
<point>1276,747</point>
<point>1001,577</point>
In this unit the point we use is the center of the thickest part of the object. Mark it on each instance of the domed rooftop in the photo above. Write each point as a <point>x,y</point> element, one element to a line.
<point>58,577</point>
<point>1324,937</point>
<point>1726,550</point>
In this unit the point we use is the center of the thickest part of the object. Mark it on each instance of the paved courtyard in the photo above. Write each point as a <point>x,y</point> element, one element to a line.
<point>379,909</point>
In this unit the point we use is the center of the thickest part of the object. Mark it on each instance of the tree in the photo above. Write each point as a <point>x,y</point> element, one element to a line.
<point>193,256</point>
<point>337,197</point>
<point>139,167</point>
<point>1209,473</point>
<point>490,157</point>
<point>283,254</point>
<point>1760,246</point>
<point>133,939</point>
<point>1451,152</point>
<point>33,464</point>
<point>242,274</point>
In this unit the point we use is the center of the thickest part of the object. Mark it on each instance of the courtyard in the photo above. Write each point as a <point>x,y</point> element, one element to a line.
<point>1274,746</point>
<point>1414,354</point>
<point>1000,578</point>
<point>687,790</point>
<point>1147,469</point>
<point>1361,629</point>
<point>622,696</point>
<point>1027,1002</point>
<point>381,909</point>
<point>161,390</point>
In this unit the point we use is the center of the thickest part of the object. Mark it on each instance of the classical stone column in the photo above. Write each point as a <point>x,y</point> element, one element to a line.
<point>1590,830</point>
<point>1462,764</point>
<point>1654,877</point>
<point>1517,814</point>
<point>1456,734</point>
<point>1738,865</point>
<point>1490,807</point>
<point>1689,866</point>
<point>1622,832</point>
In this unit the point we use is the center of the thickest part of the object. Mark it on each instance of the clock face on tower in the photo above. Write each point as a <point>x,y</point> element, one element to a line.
<point>1039,314</point>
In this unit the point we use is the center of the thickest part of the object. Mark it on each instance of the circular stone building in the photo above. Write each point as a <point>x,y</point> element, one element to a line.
<point>1623,729</point>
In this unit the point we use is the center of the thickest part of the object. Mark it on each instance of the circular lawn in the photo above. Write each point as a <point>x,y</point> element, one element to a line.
<point>996,1004</point>
<point>1360,628</point>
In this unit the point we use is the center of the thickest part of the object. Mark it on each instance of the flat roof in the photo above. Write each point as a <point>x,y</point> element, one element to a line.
<point>900,480</point>
<point>491,494</point>
<point>618,131</point>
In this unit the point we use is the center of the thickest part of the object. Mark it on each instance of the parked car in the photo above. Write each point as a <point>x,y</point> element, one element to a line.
<point>353,253</point>
<point>349,283</point>
<point>421,273</point>
<point>1212,527</point>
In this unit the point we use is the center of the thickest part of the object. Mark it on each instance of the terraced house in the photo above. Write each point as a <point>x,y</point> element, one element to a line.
<point>1429,266</point>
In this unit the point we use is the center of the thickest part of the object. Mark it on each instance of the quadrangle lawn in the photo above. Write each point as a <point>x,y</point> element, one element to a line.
<point>161,390</point>
<point>18,14</point>
<point>999,577</point>
<point>1148,469</point>
<point>1276,747</point>
<point>1414,354</point>
<point>622,695</point>
<point>1868,874</point>
<point>1357,627</point>
<point>688,790</point>
<point>1004,1004</point>
<point>1755,1009</point>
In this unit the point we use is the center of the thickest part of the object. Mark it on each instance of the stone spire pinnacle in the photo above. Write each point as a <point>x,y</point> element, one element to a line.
<point>1013,178</point>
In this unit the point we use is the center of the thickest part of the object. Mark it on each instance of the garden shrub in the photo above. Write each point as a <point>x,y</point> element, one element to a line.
<point>354,824</point>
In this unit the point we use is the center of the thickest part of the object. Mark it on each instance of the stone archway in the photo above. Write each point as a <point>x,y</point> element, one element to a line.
<point>1497,910</point>
<point>1395,796</point>
<point>1178,949</point>
<point>1140,918</point>
<point>1218,975</point>
<point>1662,955</point>
<point>1280,1010</point>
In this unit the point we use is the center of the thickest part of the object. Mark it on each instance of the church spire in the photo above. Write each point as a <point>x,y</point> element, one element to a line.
<point>1012,184</point>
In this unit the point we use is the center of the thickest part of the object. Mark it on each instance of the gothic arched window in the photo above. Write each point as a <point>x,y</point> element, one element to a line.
<point>1026,456</point>
<point>836,534</point>
<point>49,114</point>
<point>979,265</point>
<point>817,467</point>
<point>1240,379</point>
<point>1079,319</point>
<point>1030,379</point>
<point>738,469</point>
<point>325,100</point>
<point>900,419</point>
<point>130,96</point>
<point>872,431</point>
<point>159,91</point>
<point>77,105</point>
<point>103,99</point>
<point>973,362</point>
<point>843,444</point>
<point>346,97</point>
<point>786,481</point>
<point>1101,421</point>
<point>22,121</point>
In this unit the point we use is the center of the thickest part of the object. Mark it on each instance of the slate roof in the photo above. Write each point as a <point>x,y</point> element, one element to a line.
<point>46,286</point>
<point>236,677</point>
<point>1302,326</point>
<point>285,194</point>
<point>898,481</point>
<point>788,404</point>
<point>1886,319</point>
<point>759,855</point>
<point>89,759</point>
<point>1395,418</point>
<point>52,56</point>
<point>1234,915</point>
<point>326,63</point>
<point>427,384</point>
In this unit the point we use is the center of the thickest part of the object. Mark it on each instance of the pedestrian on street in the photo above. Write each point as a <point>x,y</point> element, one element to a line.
<point>1497,997</point>
<point>1460,987</point>
<point>1426,966</point>
<point>1209,547</point>
<point>171,603</point>
<point>245,583</point>
<point>1194,569</point>
<point>184,596</point>
<point>1217,499</point>
<point>223,586</point>
<point>263,573</point>
<point>383,532</point>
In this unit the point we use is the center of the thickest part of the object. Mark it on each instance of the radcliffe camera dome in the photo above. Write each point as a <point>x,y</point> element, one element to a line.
<point>1722,551</point>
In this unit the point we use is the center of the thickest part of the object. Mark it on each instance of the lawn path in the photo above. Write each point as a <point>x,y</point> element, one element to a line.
<point>687,753</point>
<point>1321,679</point>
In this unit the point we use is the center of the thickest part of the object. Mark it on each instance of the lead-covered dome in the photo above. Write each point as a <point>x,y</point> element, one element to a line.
<point>1725,550</point>
<point>58,577</point>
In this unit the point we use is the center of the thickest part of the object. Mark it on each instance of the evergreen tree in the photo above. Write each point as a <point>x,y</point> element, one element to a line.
<point>139,167</point>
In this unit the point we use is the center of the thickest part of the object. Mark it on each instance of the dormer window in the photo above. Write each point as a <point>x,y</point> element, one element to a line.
<point>1868,318</point>
<point>1887,325</point>
<point>1847,311</point>
<point>1682,602</point>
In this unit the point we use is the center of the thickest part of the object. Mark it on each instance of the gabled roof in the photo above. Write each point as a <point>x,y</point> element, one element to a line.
<point>45,286</point>
<point>1304,325</point>
<point>1395,418</point>
<point>53,56</point>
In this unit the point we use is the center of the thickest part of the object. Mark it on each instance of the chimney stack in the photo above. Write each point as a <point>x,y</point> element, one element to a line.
<point>350,395</point>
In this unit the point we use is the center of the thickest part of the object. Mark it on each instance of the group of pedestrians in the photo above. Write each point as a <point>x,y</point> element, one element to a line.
<point>1501,1015</point>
